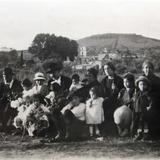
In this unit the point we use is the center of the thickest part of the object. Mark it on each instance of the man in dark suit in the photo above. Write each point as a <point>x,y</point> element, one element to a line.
<point>10,89</point>
<point>54,71</point>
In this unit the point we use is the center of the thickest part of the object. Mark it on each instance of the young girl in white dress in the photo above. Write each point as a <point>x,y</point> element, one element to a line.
<point>94,111</point>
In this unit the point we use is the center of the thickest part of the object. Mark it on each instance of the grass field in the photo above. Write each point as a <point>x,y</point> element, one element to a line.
<point>110,148</point>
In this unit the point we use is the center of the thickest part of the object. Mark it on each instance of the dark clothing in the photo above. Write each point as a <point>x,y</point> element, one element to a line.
<point>142,108</point>
<point>111,89</point>
<point>107,84</point>
<point>12,92</point>
<point>155,91</point>
<point>142,101</point>
<point>154,127</point>
<point>55,118</point>
<point>58,121</point>
<point>84,91</point>
<point>8,93</point>
<point>75,128</point>
<point>65,83</point>
<point>126,98</point>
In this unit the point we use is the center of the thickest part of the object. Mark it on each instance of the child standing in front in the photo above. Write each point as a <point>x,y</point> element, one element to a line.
<point>94,111</point>
<point>142,107</point>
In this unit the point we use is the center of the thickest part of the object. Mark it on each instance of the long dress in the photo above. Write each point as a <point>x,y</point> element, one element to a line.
<point>94,111</point>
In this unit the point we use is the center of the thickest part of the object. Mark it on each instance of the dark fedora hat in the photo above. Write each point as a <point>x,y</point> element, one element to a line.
<point>144,79</point>
<point>54,67</point>
<point>7,71</point>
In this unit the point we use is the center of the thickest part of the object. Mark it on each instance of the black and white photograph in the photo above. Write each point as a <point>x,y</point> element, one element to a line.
<point>79,79</point>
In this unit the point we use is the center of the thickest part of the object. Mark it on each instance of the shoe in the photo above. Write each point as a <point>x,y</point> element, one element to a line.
<point>91,137</point>
<point>58,138</point>
<point>98,135</point>
<point>68,139</point>
<point>138,137</point>
<point>100,139</point>
<point>17,132</point>
<point>147,137</point>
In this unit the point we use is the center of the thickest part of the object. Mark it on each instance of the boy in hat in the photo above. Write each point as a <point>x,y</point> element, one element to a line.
<point>142,106</point>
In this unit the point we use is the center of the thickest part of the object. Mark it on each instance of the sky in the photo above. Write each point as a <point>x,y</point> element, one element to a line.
<point>22,20</point>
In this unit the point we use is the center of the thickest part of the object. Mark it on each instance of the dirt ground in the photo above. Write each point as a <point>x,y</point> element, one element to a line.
<point>12,147</point>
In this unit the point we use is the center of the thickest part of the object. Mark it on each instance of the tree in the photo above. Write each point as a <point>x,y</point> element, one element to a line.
<point>21,59</point>
<point>46,46</point>
<point>8,58</point>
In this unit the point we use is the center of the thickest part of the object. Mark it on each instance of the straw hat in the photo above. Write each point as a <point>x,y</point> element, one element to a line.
<point>39,76</point>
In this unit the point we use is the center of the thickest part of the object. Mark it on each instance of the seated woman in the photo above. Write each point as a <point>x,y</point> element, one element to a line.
<point>123,114</point>
<point>74,117</point>
<point>112,84</point>
<point>21,104</point>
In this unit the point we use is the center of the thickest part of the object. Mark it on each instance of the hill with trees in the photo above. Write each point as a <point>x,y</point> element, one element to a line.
<point>113,41</point>
<point>129,46</point>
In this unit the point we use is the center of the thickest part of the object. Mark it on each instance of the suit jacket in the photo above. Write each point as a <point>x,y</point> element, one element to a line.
<point>8,93</point>
<point>65,83</point>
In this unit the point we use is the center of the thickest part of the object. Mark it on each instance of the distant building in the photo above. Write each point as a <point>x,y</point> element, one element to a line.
<point>26,55</point>
<point>114,56</point>
<point>105,50</point>
<point>101,56</point>
<point>83,51</point>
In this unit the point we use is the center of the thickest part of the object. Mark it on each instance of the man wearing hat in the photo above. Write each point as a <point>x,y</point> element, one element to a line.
<point>54,71</point>
<point>39,87</point>
<point>10,89</point>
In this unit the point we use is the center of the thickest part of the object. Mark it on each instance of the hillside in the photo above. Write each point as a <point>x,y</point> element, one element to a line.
<point>118,41</point>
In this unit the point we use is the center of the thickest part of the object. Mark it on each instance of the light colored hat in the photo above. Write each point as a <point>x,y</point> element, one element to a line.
<point>39,76</point>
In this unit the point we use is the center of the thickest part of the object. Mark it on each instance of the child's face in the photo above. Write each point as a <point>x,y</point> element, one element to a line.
<point>142,86</point>
<point>127,83</point>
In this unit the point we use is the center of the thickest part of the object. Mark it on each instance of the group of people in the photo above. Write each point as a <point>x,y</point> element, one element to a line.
<point>64,108</point>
